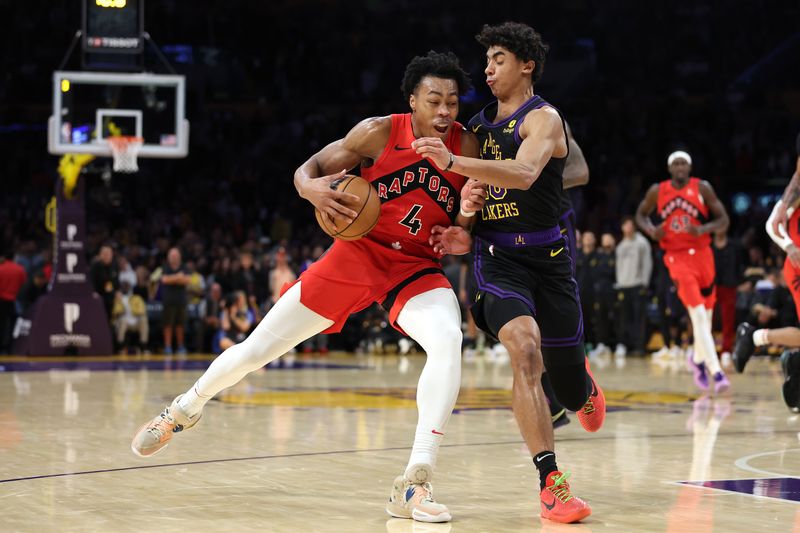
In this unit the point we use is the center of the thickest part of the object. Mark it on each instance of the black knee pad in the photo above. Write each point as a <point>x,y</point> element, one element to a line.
<point>571,384</point>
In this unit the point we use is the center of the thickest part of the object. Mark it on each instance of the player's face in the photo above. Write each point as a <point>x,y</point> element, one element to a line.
<point>435,107</point>
<point>679,170</point>
<point>505,73</point>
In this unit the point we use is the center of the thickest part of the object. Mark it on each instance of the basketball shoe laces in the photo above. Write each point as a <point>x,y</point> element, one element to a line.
<point>428,496</point>
<point>167,424</point>
<point>560,488</point>
<point>588,407</point>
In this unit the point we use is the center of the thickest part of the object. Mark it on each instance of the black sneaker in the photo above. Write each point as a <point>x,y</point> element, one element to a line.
<point>744,346</point>
<point>790,362</point>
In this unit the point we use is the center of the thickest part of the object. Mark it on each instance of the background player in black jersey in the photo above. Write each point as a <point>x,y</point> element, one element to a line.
<point>521,270</point>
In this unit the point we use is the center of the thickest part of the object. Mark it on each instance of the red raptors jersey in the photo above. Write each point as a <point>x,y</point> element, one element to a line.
<point>793,225</point>
<point>679,209</point>
<point>415,194</point>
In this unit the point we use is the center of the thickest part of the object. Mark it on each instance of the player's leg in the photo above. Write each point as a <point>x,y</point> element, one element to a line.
<point>558,413</point>
<point>433,320</point>
<point>288,323</point>
<point>704,361</point>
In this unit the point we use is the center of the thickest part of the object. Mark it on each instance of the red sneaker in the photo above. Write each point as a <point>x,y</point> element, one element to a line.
<point>559,504</point>
<point>593,413</point>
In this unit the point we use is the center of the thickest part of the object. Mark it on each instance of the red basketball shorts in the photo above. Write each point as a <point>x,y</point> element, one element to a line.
<point>352,275</point>
<point>693,272</point>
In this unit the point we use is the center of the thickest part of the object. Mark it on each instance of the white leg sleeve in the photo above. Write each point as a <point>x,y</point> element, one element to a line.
<point>433,319</point>
<point>705,351</point>
<point>286,325</point>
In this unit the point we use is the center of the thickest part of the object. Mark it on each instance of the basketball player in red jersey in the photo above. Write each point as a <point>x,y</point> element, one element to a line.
<point>526,295</point>
<point>783,227</point>
<point>393,265</point>
<point>684,204</point>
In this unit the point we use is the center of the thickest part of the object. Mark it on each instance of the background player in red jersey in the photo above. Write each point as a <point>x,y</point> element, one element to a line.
<point>690,212</point>
<point>393,265</point>
<point>783,227</point>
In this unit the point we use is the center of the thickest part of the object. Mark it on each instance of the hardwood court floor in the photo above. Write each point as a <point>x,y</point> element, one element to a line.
<point>315,449</point>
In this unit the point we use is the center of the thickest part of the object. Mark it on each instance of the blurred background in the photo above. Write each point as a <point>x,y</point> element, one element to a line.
<point>270,83</point>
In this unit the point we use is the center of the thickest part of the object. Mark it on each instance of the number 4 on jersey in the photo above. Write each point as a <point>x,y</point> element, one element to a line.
<point>411,221</point>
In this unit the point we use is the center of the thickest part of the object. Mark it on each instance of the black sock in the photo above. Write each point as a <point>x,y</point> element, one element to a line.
<point>545,462</point>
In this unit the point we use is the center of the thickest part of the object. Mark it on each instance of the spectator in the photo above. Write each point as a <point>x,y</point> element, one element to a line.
<point>602,277</point>
<point>729,261</point>
<point>33,289</point>
<point>280,275</point>
<point>237,320</point>
<point>105,277</point>
<point>195,291</point>
<point>585,263</point>
<point>634,265</point>
<point>12,277</point>
<point>174,279</point>
<point>130,313</point>
<point>126,272</point>
<point>211,310</point>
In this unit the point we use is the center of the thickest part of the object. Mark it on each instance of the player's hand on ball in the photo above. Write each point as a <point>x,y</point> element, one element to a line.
<point>434,149</point>
<point>473,196</point>
<point>453,240</point>
<point>322,193</point>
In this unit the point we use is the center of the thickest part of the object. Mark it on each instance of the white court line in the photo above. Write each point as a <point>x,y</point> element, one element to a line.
<point>742,463</point>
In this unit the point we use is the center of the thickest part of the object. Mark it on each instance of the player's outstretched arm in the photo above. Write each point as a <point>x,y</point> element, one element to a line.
<point>314,178</point>
<point>720,220</point>
<point>576,171</point>
<point>646,207</point>
<point>543,138</point>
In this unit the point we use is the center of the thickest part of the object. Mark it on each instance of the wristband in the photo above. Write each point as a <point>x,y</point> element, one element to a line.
<point>450,164</point>
<point>465,214</point>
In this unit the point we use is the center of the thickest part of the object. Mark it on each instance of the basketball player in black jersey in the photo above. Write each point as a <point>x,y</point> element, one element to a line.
<point>525,292</point>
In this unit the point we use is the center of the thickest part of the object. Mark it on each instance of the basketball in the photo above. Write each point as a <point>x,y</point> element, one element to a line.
<point>368,208</point>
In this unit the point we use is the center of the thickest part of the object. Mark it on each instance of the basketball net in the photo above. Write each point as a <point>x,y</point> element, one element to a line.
<point>125,150</point>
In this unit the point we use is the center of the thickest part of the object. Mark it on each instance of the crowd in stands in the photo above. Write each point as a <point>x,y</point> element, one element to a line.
<point>260,102</point>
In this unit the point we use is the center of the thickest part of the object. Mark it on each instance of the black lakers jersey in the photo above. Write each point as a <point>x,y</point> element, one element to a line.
<point>515,210</point>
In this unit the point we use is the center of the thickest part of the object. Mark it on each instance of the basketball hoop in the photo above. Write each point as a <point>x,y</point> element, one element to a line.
<point>125,150</point>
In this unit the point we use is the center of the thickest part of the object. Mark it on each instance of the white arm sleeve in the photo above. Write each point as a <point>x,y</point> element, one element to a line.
<point>784,241</point>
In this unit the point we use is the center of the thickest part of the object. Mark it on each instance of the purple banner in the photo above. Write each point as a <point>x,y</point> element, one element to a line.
<point>71,317</point>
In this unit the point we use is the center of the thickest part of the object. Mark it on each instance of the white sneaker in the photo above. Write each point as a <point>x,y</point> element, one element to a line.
<point>413,498</point>
<point>621,350</point>
<point>156,434</point>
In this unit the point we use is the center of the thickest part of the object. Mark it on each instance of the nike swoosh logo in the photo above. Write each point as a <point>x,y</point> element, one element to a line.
<point>436,432</point>
<point>476,128</point>
<point>550,506</point>
<point>554,253</point>
<point>398,147</point>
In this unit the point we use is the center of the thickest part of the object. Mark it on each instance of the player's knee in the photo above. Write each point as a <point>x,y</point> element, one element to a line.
<point>526,358</point>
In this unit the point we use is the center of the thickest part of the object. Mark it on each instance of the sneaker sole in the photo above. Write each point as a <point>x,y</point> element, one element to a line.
<point>569,519</point>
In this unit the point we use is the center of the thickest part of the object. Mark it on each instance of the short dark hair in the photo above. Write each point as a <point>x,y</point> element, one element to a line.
<point>519,39</point>
<point>437,64</point>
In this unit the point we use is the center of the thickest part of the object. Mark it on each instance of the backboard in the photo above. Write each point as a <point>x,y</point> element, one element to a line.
<point>89,107</point>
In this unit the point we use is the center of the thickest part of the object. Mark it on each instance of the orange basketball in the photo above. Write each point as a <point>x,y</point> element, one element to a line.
<point>368,208</point>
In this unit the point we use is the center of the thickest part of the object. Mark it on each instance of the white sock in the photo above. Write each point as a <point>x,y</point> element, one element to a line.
<point>433,319</point>
<point>705,351</point>
<point>760,337</point>
<point>286,325</point>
